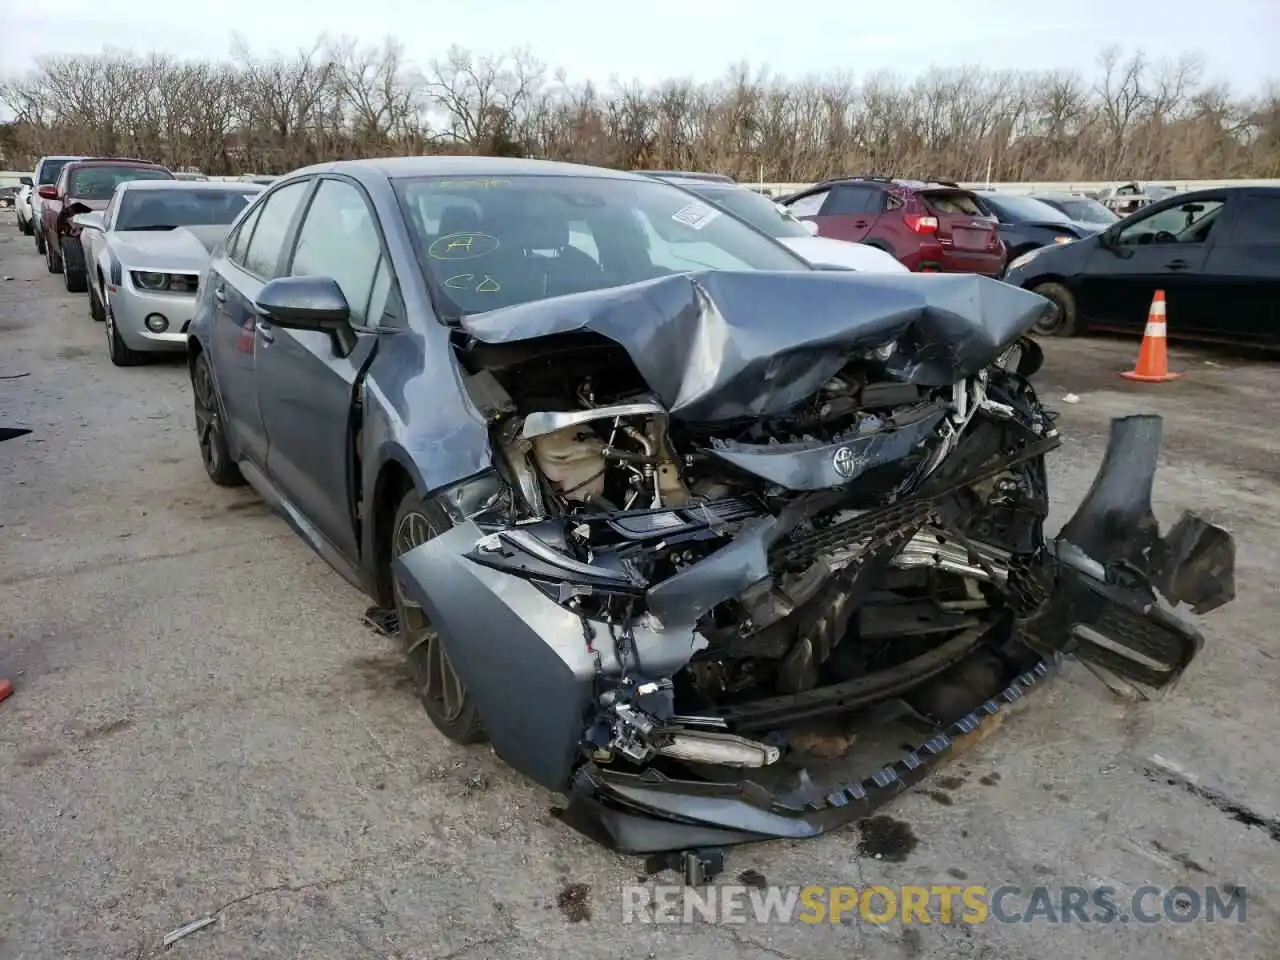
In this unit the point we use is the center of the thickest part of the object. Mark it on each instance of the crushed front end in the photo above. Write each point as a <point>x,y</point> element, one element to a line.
<point>664,578</point>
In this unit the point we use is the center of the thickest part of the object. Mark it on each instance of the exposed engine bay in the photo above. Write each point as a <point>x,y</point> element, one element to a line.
<point>707,574</point>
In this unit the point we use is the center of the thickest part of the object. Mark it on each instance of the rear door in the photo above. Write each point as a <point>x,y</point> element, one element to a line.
<point>963,226</point>
<point>1165,249</point>
<point>850,211</point>
<point>1242,272</point>
<point>252,257</point>
<point>306,390</point>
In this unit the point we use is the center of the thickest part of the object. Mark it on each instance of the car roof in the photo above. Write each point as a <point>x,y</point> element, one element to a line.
<point>396,168</point>
<point>901,183</point>
<point>229,186</point>
<point>114,162</point>
<point>686,175</point>
<point>701,184</point>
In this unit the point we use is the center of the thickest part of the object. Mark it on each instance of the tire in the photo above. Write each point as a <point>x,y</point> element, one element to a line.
<point>96,309</point>
<point>120,353</point>
<point>448,705</point>
<point>210,433</point>
<point>1062,322</point>
<point>73,266</point>
<point>39,238</point>
<point>28,227</point>
<point>51,260</point>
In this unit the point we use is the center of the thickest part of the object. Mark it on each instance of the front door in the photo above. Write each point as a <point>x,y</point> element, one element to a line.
<point>1164,249</point>
<point>306,388</point>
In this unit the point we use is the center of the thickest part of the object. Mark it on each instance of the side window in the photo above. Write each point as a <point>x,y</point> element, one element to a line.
<point>339,239</point>
<point>852,200</point>
<point>892,203</point>
<point>1182,223</point>
<point>808,206</point>
<point>240,242</point>
<point>1258,223</point>
<point>384,300</point>
<point>262,258</point>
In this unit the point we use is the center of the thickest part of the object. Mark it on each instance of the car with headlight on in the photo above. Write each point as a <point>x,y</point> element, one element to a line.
<point>144,255</point>
<point>643,493</point>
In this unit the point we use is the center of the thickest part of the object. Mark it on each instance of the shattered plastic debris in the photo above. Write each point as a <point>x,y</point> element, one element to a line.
<point>1071,398</point>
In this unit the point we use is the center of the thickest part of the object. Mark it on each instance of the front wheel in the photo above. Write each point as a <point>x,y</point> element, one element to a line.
<point>52,261</point>
<point>444,696</point>
<point>39,239</point>
<point>1061,321</point>
<point>120,353</point>
<point>210,433</point>
<point>73,275</point>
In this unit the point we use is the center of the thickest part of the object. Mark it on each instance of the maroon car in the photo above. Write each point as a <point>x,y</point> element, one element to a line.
<point>83,185</point>
<point>933,226</point>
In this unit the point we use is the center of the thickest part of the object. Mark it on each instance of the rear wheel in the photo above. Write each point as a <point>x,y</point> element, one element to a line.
<point>442,692</point>
<point>210,433</point>
<point>96,310</point>
<point>1061,321</point>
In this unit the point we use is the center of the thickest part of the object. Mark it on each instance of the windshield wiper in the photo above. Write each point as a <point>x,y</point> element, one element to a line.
<point>155,226</point>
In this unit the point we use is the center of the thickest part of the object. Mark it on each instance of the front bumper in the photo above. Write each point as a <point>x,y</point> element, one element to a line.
<point>130,306</point>
<point>533,667</point>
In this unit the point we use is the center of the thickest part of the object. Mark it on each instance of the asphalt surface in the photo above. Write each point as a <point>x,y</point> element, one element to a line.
<point>202,726</point>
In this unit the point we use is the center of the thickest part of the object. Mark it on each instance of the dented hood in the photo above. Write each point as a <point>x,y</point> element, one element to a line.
<point>719,344</point>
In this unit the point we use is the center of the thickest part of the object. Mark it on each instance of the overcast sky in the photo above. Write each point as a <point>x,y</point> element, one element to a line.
<point>653,39</point>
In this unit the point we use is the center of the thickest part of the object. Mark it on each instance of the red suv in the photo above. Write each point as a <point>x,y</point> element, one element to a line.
<point>83,185</point>
<point>932,226</point>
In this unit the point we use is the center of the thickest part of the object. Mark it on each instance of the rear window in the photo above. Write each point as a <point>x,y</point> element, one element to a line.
<point>49,171</point>
<point>953,201</point>
<point>99,182</point>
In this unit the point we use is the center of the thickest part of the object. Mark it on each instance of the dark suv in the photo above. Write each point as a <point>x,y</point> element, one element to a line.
<point>930,226</point>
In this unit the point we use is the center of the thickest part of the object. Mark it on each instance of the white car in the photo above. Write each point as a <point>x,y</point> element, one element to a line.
<point>774,219</point>
<point>22,206</point>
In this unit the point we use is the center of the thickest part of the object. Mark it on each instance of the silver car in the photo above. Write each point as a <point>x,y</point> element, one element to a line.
<point>144,255</point>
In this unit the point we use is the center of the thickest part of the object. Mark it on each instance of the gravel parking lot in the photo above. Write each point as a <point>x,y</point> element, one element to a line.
<point>203,726</point>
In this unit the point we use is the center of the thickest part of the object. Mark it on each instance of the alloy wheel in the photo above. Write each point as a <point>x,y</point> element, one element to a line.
<point>208,423</point>
<point>437,680</point>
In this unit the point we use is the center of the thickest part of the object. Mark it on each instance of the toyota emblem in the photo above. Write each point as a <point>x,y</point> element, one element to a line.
<point>845,462</point>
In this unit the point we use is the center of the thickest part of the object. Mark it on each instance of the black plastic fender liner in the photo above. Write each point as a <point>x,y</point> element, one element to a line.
<point>650,813</point>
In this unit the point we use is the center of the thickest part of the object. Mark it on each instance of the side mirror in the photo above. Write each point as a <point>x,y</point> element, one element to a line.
<point>48,192</point>
<point>90,221</point>
<point>24,181</point>
<point>309,303</point>
<point>811,226</point>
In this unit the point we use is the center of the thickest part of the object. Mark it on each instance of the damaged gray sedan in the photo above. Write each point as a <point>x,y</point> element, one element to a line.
<point>647,494</point>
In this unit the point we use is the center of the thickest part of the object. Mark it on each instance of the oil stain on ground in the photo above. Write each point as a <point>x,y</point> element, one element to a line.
<point>382,673</point>
<point>574,901</point>
<point>886,839</point>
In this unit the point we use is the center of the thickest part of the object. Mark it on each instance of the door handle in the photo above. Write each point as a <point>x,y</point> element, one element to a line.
<point>264,330</point>
<point>859,223</point>
<point>220,293</point>
<point>1177,265</point>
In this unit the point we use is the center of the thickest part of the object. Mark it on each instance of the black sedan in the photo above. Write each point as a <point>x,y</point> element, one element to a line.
<point>643,491</point>
<point>1214,253</point>
<point>1026,224</point>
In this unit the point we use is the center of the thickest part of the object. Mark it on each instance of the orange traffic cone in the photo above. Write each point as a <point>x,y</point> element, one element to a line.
<point>6,687</point>
<point>1153,358</point>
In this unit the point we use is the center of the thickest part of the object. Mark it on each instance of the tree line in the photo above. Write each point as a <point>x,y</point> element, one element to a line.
<point>1128,117</point>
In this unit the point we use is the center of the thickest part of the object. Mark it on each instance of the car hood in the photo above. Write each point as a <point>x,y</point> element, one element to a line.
<point>717,345</point>
<point>178,249</point>
<point>825,251</point>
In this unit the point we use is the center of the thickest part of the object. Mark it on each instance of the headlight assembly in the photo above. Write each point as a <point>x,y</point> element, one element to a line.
<point>151,281</point>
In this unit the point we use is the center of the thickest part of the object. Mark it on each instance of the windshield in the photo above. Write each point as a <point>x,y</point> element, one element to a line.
<point>758,210</point>
<point>159,209</point>
<point>100,181</point>
<point>490,243</point>
<point>49,171</point>
<point>1023,208</point>
<point>1084,210</point>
